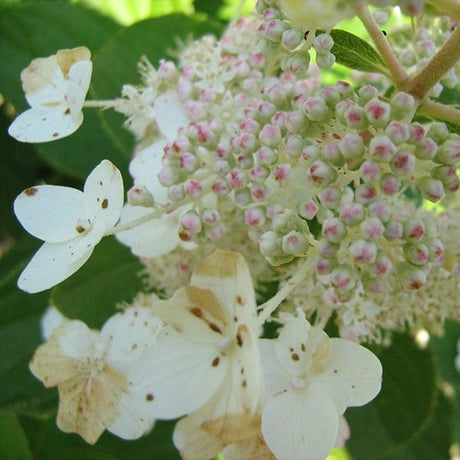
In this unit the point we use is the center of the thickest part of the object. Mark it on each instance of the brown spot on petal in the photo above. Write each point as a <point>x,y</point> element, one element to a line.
<point>55,134</point>
<point>31,191</point>
<point>198,312</point>
<point>67,112</point>
<point>215,361</point>
<point>303,347</point>
<point>295,357</point>
<point>239,300</point>
<point>79,229</point>
<point>105,203</point>
<point>149,397</point>
<point>239,340</point>
<point>215,328</point>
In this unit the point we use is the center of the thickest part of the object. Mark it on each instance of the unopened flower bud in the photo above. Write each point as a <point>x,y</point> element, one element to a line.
<point>295,63</point>
<point>325,61</point>
<point>321,174</point>
<point>389,184</point>
<point>291,39</point>
<point>210,216</point>
<point>382,265</point>
<point>363,252</point>
<point>351,146</point>
<point>403,163</point>
<point>274,30</point>
<point>377,112</point>
<point>410,277</point>
<point>193,188</point>
<point>322,265</point>
<point>382,149</point>
<point>416,254</point>
<point>365,193</point>
<point>438,132</point>
<point>294,145</point>
<point>323,43</point>
<point>426,149</point>
<point>355,117</point>
<point>270,244</point>
<point>333,229</point>
<point>330,94</point>
<point>370,171</point>
<point>372,228</point>
<point>343,278</point>
<point>372,285</point>
<point>294,243</point>
<point>327,248</point>
<point>308,209</point>
<point>255,217</point>
<point>190,223</point>
<point>315,108</point>
<point>402,104</point>
<point>330,197</point>
<point>352,213</point>
<point>237,178</point>
<point>366,93</point>
<point>394,230</point>
<point>414,230</point>
<point>139,195</point>
<point>449,151</point>
<point>380,209</point>
<point>431,189</point>
<point>176,192</point>
<point>243,196</point>
<point>397,132</point>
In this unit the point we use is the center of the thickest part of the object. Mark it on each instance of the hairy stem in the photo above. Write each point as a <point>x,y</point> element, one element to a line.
<point>397,72</point>
<point>442,61</point>
<point>272,304</point>
<point>439,111</point>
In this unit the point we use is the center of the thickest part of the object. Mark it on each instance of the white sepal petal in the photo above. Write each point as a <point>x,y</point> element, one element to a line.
<point>170,114</point>
<point>44,125</point>
<point>103,193</point>
<point>153,238</point>
<point>54,262</point>
<point>180,377</point>
<point>50,212</point>
<point>77,86</point>
<point>352,374</point>
<point>300,425</point>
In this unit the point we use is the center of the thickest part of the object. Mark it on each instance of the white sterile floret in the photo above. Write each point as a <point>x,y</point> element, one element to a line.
<point>50,321</point>
<point>310,380</point>
<point>160,235</point>
<point>94,374</point>
<point>316,14</point>
<point>206,360</point>
<point>55,88</point>
<point>70,222</point>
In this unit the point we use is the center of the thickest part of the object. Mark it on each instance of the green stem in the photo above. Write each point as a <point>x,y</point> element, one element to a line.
<point>439,111</point>
<point>442,61</point>
<point>397,72</point>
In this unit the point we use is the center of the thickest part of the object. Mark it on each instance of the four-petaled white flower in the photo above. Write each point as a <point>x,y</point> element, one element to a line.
<point>206,361</point>
<point>94,374</point>
<point>55,88</point>
<point>310,380</point>
<point>70,222</point>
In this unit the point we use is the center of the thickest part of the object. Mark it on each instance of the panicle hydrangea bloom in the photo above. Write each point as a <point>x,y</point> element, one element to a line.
<point>240,146</point>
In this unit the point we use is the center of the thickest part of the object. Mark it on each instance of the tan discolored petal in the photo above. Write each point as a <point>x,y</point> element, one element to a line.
<point>67,58</point>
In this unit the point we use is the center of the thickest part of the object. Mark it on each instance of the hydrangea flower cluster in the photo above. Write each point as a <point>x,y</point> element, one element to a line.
<point>243,151</point>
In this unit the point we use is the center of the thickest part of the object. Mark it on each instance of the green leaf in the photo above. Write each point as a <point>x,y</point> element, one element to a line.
<point>13,439</point>
<point>111,276</point>
<point>48,443</point>
<point>434,440</point>
<point>403,406</point>
<point>20,314</point>
<point>355,53</point>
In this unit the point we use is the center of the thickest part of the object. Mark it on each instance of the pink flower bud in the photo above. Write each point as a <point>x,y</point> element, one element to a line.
<point>431,189</point>
<point>315,108</point>
<point>352,213</point>
<point>403,163</point>
<point>365,193</point>
<point>370,171</point>
<point>190,223</point>
<point>260,192</point>
<point>282,172</point>
<point>266,156</point>
<point>334,230</point>
<point>382,149</point>
<point>237,178</point>
<point>377,112</point>
<point>321,174</point>
<point>372,228</point>
<point>355,117</point>
<point>351,146</point>
<point>397,132</point>
<point>343,278</point>
<point>411,277</point>
<point>139,195</point>
<point>394,230</point>
<point>416,254</point>
<point>193,188</point>
<point>414,230</point>
<point>270,244</point>
<point>390,184</point>
<point>330,197</point>
<point>308,209</point>
<point>426,149</point>
<point>255,217</point>
<point>270,135</point>
<point>294,243</point>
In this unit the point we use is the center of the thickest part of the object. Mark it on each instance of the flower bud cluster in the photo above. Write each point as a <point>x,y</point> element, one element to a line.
<point>416,49</point>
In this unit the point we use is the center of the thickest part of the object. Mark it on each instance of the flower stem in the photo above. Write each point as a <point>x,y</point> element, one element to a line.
<point>439,111</point>
<point>110,103</point>
<point>442,61</point>
<point>397,72</point>
<point>272,304</point>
